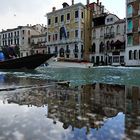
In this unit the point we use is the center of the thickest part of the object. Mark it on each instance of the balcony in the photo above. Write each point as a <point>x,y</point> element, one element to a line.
<point>109,35</point>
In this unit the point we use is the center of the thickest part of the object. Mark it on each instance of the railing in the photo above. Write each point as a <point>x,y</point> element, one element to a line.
<point>109,35</point>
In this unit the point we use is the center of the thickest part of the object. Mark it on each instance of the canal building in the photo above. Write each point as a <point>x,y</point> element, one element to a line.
<point>65,34</point>
<point>69,30</point>
<point>133,32</point>
<point>39,43</point>
<point>108,40</point>
<point>20,36</point>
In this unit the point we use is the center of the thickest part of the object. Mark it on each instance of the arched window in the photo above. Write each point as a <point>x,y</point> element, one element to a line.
<point>107,30</point>
<point>118,30</point>
<point>112,29</point>
<point>61,52</point>
<point>135,54</point>
<point>93,48</point>
<point>101,32</point>
<point>108,45</point>
<point>62,33</point>
<point>130,55</point>
<point>112,45</point>
<point>101,49</point>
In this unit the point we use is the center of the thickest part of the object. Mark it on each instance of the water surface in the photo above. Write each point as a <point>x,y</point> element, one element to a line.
<point>100,103</point>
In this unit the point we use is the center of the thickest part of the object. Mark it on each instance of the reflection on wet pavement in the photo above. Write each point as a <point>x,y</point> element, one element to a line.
<point>52,111</point>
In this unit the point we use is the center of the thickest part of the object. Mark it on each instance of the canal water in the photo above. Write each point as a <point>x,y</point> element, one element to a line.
<point>98,104</point>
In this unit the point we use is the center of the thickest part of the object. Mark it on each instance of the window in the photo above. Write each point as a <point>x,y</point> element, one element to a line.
<point>130,25</point>
<point>68,16</point>
<point>129,40</point>
<point>49,38</point>
<point>82,15</point>
<point>56,36</point>
<point>62,33</point>
<point>101,32</point>
<point>76,33</point>
<point>76,14</point>
<point>62,18</point>
<point>130,55</point>
<point>135,54</point>
<point>28,32</point>
<point>93,48</point>
<point>49,21</point>
<point>23,31</point>
<point>68,34</point>
<point>107,30</point>
<point>112,29</point>
<point>118,29</point>
<point>111,19</point>
<point>129,10</point>
<point>101,49</point>
<point>56,19</point>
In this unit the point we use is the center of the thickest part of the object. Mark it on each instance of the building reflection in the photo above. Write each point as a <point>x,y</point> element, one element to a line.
<point>86,106</point>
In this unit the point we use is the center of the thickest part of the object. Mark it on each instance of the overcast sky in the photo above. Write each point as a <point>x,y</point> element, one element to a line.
<point>22,12</point>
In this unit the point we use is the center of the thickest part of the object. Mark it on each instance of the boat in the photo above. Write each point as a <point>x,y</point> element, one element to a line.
<point>56,63</point>
<point>27,62</point>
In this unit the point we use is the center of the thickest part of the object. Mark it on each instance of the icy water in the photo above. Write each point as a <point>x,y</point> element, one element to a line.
<point>99,104</point>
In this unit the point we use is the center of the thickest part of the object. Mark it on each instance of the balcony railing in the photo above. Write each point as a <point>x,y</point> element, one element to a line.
<point>109,35</point>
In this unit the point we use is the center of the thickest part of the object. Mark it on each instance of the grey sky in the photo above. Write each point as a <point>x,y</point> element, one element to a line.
<point>22,12</point>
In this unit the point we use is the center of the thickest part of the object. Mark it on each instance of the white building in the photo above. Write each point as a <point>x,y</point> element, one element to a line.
<point>20,36</point>
<point>39,43</point>
<point>108,40</point>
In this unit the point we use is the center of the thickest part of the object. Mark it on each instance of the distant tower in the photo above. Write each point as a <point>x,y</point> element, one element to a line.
<point>87,2</point>
<point>72,2</point>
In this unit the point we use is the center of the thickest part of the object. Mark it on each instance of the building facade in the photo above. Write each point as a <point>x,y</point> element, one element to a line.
<point>108,40</point>
<point>20,36</point>
<point>65,34</point>
<point>39,43</point>
<point>133,32</point>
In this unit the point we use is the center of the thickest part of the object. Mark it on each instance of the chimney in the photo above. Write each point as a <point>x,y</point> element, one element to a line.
<point>97,2</point>
<point>102,9</point>
<point>72,2</point>
<point>87,2</point>
<point>53,9</point>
